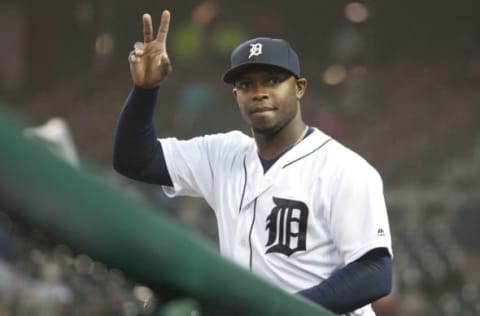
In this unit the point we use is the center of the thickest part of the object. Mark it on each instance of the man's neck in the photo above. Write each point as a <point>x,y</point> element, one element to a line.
<point>271,146</point>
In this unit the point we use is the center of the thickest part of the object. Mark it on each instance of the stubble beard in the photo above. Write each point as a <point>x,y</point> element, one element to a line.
<point>271,131</point>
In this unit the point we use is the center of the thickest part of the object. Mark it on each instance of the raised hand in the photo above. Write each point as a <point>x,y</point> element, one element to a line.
<point>149,62</point>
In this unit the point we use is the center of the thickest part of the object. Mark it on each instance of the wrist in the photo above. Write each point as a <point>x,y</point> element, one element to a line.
<point>146,88</point>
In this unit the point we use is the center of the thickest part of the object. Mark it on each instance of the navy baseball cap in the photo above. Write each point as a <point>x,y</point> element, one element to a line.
<point>263,51</point>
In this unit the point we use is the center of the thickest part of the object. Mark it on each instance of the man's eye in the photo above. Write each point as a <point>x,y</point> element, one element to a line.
<point>242,84</point>
<point>274,80</point>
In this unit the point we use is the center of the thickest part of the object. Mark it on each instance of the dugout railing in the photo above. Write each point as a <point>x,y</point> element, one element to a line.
<point>96,217</point>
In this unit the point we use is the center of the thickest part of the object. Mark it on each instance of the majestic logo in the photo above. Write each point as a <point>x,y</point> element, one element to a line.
<point>287,225</point>
<point>255,50</point>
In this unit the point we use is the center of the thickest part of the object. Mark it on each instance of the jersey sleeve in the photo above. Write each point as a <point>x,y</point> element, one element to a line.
<point>358,217</point>
<point>194,163</point>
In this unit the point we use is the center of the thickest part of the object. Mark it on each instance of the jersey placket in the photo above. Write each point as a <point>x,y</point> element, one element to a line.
<point>256,184</point>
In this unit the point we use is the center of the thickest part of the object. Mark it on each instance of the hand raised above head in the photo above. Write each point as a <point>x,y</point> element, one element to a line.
<point>149,62</point>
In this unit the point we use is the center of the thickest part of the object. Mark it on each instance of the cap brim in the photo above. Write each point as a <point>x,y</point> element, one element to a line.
<point>232,74</point>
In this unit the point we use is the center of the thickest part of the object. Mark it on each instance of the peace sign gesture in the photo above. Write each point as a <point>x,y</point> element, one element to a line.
<point>149,62</point>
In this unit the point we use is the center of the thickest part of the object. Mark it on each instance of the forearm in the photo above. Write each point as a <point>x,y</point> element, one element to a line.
<point>356,285</point>
<point>137,152</point>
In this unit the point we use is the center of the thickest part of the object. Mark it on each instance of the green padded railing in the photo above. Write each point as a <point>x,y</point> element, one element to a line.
<point>96,217</point>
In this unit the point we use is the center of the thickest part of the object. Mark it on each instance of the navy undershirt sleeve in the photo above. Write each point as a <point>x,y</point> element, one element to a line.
<point>357,284</point>
<point>137,153</point>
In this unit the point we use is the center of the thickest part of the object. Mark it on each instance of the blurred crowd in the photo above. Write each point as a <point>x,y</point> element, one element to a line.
<point>41,276</point>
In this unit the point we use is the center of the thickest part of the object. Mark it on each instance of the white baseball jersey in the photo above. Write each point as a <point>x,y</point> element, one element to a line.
<point>319,207</point>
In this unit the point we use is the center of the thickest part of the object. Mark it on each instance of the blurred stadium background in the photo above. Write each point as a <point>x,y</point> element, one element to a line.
<point>395,80</point>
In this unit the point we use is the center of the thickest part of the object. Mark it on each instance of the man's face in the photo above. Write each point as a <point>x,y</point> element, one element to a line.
<point>268,97</point>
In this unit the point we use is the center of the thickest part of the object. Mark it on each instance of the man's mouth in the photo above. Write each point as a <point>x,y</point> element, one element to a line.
<point>262,110</point>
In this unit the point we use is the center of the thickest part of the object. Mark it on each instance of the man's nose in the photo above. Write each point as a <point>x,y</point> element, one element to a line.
<point>259,92</point>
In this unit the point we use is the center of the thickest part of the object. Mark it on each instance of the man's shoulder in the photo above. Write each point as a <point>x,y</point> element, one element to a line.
<point>234,137</point>
<point>346,158</point>
<point>233,140</point>
<point>229,143</point>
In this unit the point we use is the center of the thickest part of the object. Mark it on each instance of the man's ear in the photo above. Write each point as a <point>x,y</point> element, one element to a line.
<point>301,87</point>
<point>234,92</point>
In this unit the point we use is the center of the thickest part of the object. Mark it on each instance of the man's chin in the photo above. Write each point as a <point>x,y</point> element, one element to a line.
<point>265,130</point>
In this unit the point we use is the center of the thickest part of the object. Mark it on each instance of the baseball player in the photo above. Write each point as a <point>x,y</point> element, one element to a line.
<point>292,204</point>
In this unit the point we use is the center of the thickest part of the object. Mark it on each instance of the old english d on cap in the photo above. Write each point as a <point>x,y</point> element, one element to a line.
<point>263,51</point>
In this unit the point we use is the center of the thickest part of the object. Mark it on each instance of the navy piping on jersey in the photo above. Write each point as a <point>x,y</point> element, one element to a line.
<point>267,163</point>
<point>291,162</point>
<point>250,233</point>
<point>244,183</point>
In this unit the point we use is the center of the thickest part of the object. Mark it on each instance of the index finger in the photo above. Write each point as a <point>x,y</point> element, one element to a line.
<point>163,28</point>
<point>147,28</point>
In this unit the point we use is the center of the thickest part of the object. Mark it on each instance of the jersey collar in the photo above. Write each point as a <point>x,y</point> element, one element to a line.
<point>259,181</point>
